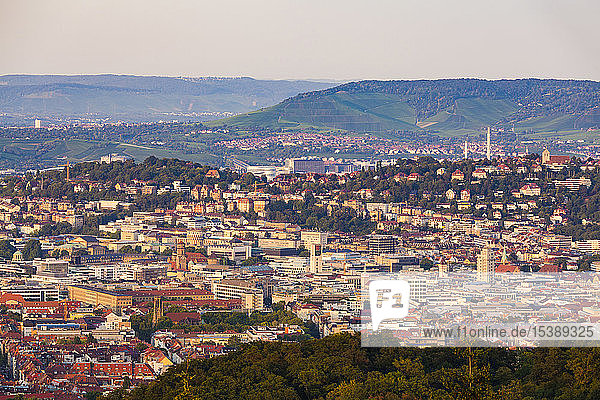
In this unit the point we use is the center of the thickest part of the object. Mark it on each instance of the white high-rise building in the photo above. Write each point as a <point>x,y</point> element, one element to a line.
<point>486,266</point>
<point>489,143</point>
<point>226,289</point>
<point>310,237</point>
<point>290,265</point>
<point>107,159</point>
<point>443,269</point>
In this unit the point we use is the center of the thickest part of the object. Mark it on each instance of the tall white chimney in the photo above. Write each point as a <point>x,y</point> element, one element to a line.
<point>489,143</point>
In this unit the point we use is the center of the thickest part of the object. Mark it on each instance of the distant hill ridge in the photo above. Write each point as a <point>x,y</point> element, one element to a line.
<point>138,98</point>
<point>447,106</point>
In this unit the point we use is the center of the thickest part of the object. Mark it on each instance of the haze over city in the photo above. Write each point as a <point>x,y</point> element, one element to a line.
<point>284,39</point>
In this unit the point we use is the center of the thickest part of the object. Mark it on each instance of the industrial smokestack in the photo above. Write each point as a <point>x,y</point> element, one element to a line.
<point>489,143</point>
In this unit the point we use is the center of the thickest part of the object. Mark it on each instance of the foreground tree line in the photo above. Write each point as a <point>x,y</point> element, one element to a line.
<point>337,367</point>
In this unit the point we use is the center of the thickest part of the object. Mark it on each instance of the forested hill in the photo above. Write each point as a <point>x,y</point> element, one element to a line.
<point>337,367</point>
<point>447,107</point>
<point>61,98</point>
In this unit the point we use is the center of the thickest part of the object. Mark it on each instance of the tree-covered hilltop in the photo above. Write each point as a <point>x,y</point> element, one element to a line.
<point>447,106</point>
<point>337,367</point>
<point>534,96</point>
<point>154,171</point>
<point>389,184</point>
<point>322,205</point>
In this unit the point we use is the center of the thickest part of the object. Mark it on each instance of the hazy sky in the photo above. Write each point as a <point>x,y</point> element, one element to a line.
<point>329,39</point>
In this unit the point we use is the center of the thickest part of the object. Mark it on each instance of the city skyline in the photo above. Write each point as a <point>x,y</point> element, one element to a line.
<point>299,200</point>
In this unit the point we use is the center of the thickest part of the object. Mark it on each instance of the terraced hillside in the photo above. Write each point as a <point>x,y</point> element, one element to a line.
<point>444,107</point>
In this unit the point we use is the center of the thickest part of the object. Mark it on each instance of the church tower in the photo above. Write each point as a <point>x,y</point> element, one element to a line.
<point>157,311</point>
<point>545,156</point>
<point>178,259</point>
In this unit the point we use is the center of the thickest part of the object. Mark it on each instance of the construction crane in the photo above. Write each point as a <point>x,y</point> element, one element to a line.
<point>256,185</point>
<point>65,309</point>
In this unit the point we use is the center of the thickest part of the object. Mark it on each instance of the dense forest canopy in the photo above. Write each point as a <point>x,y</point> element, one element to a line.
<point>337,367</point>
<point>537,96</point>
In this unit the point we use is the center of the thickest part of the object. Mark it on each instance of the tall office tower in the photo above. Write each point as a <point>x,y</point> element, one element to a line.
<point>443,270</point>
<point>466,150</point>
<point>37,124</point>
<point>486,266</point>
<point>382,244</point>
<point>316,259</point>
<point>489,143</point>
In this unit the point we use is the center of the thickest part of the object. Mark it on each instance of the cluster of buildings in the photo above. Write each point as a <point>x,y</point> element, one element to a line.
<point>503,145</point>
<point>91,312</point>
<point>339,144</point>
